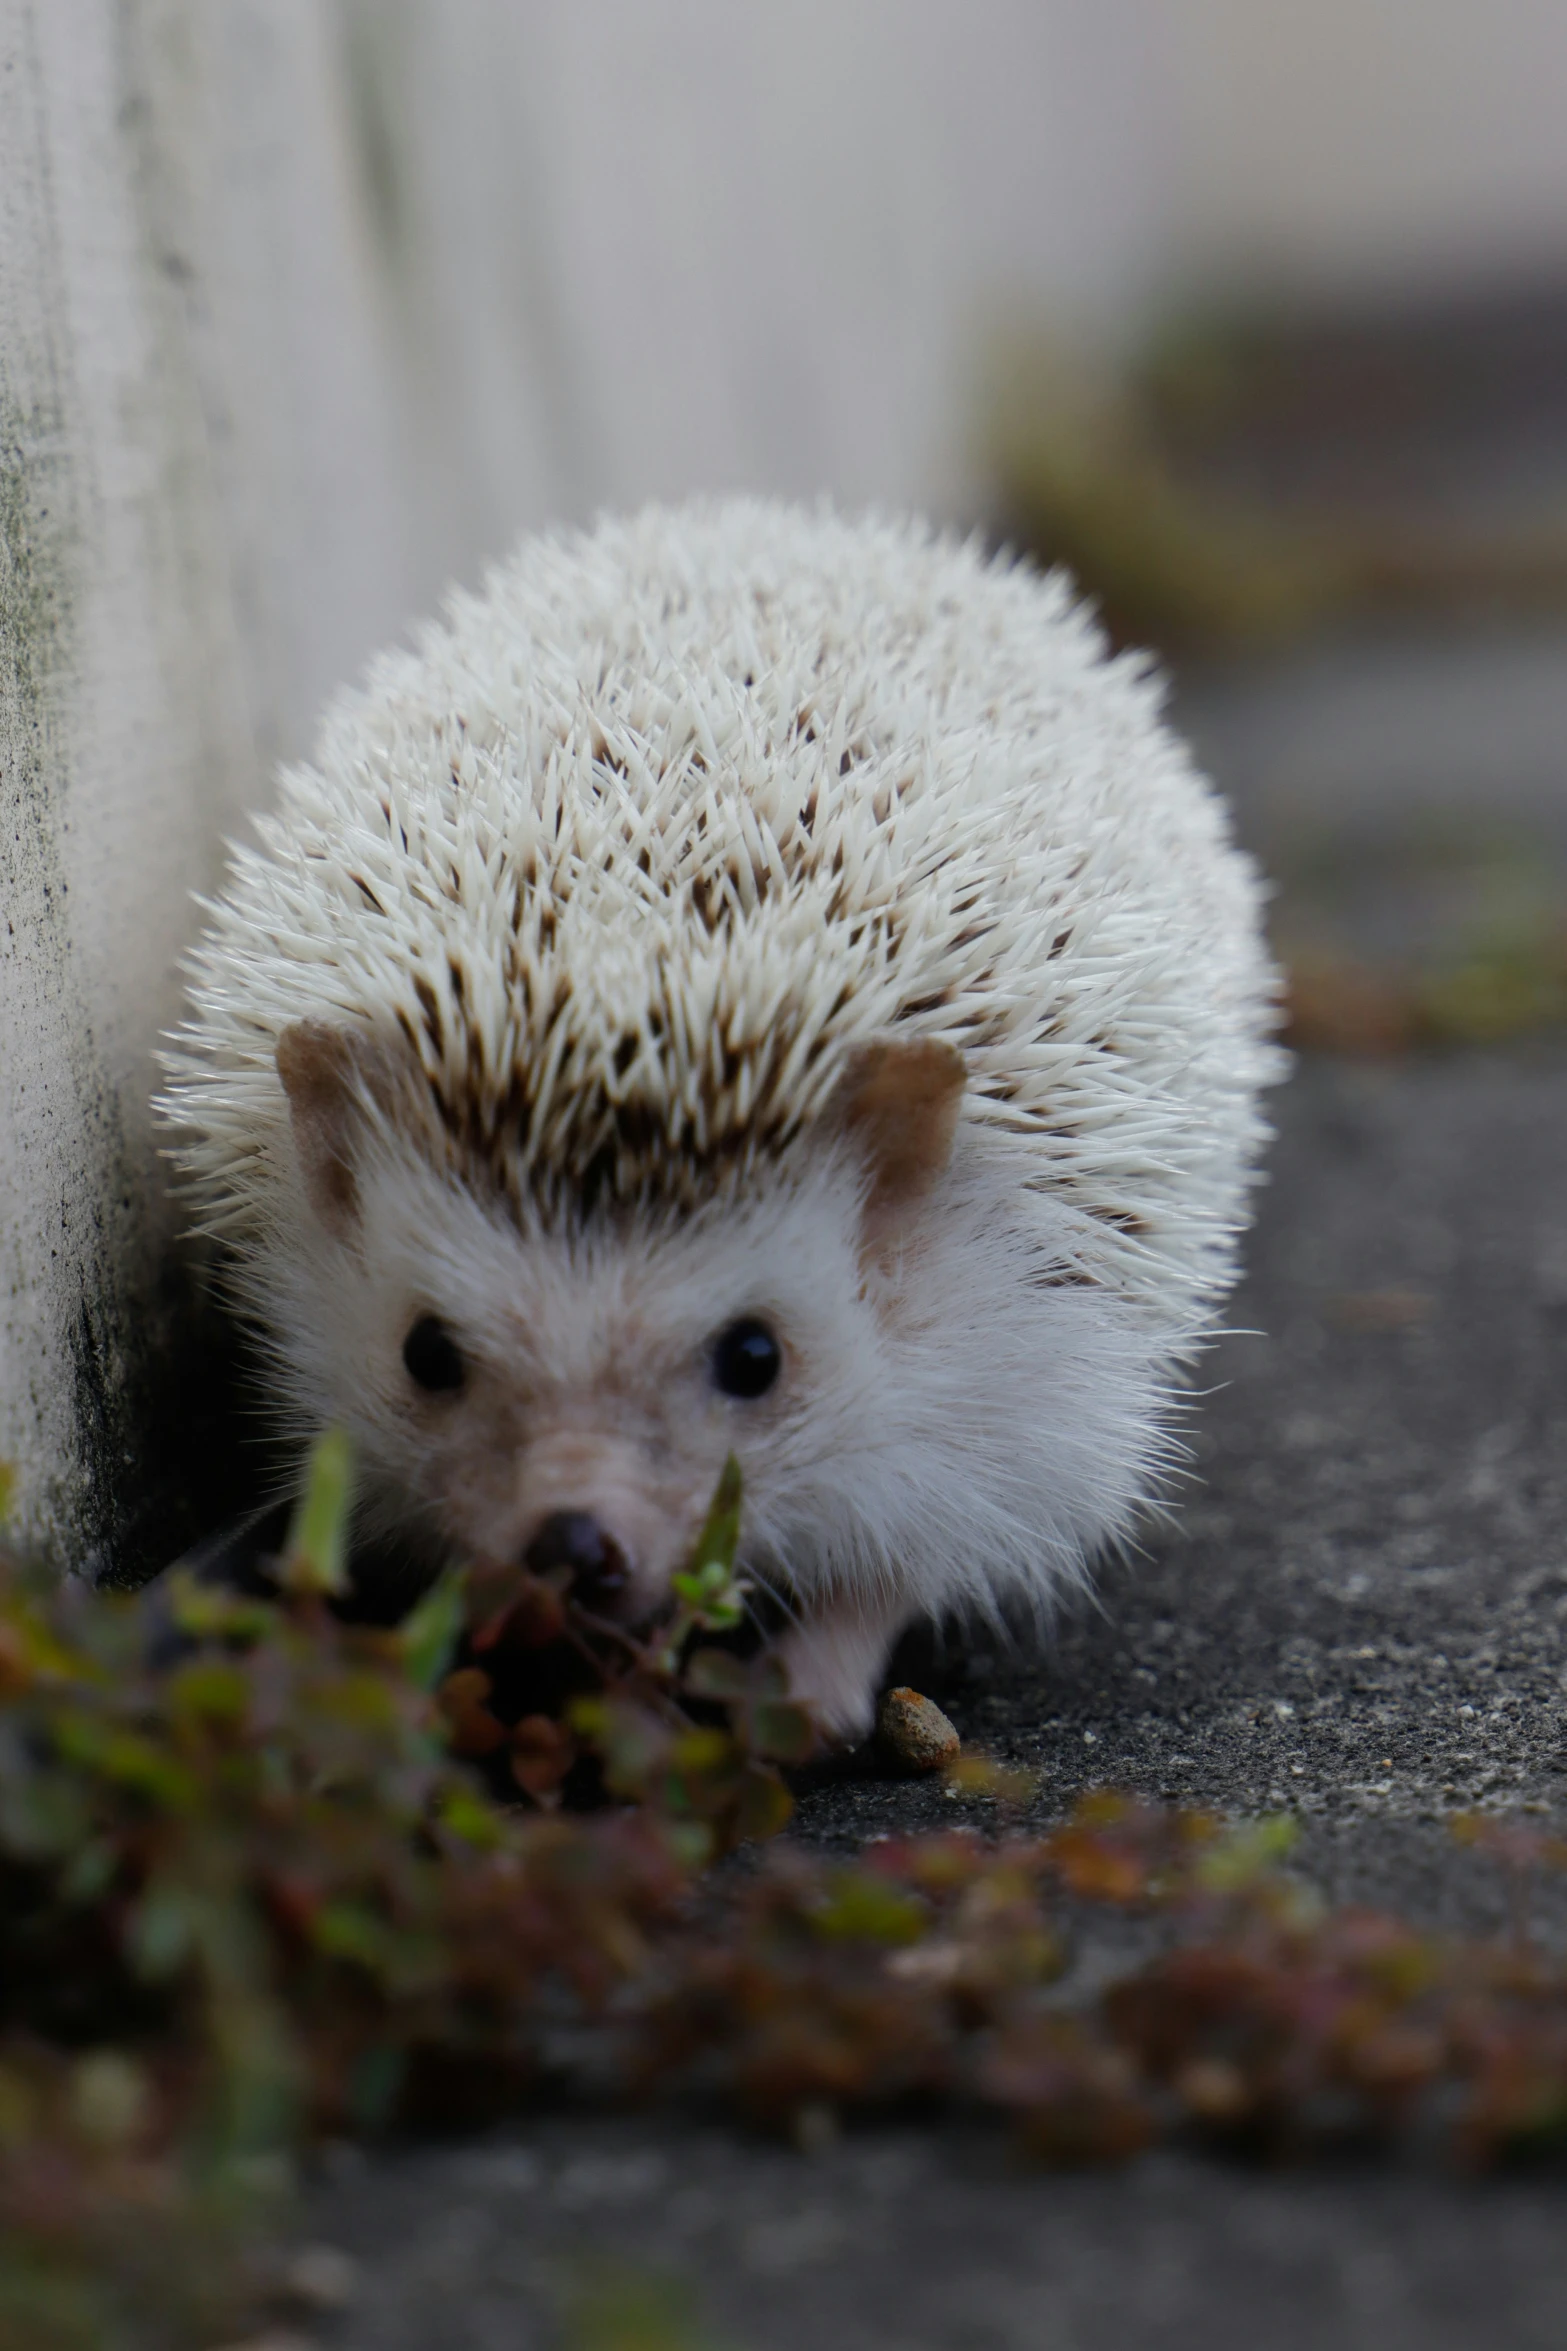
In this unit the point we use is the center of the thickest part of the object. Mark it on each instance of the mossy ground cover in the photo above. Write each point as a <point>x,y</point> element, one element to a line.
<point>271,1878</point>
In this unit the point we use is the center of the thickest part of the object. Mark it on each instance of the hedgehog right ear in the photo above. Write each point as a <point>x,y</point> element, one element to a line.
<point>899,1105</point>
<point>324,1075</point>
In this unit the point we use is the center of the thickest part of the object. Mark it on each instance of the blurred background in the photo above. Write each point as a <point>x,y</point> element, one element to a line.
<point>1254,314</point>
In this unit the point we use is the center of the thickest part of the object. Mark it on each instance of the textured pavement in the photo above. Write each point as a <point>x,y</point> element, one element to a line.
<point>912,2242</point>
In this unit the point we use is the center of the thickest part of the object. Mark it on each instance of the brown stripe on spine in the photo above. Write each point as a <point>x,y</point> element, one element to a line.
<point>430,1007</point>
<point>1122,1220</point>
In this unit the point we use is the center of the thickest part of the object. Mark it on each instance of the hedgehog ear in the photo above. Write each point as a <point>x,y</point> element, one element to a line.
<point>899,1104</point>
<point>325,1076</point>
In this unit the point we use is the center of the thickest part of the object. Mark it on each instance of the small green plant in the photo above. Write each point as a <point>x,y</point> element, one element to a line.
<point>266,1875</point>
<point>672,1721</point>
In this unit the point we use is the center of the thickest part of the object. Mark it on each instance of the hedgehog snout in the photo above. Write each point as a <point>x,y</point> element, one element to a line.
<point>575,1541</point>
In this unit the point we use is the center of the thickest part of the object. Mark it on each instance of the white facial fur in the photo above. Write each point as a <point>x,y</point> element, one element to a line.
<point>952,1421</point>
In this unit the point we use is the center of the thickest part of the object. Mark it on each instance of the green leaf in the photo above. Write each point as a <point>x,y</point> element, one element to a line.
<point>782,1730</point>
<point>315,1556</point>
<point>211,1689</point>
<point>349,1930</point>
<point>432,1630</point>
<point>130,1760</point>
<point>706,1772</point>
<point>863,1909</point>
<point>769,1677</point>
<point>208,1613</point>
<point>714,1673</point>
<point>7,1490</point>
<point>161,1932</point>
<point>1248,1852</point>
<point>765,1807</point>
<point>982,1775</point>
<point>718,1613</point>
<point>631,1742</point>
<point>702,1751</point>
<point>468,1816</point>
<point>720,1537</point>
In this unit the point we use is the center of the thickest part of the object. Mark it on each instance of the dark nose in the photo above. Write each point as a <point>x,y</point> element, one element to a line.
<point>574,1540</point>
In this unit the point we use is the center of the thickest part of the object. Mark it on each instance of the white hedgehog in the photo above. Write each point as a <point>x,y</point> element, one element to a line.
<point>757,981</point>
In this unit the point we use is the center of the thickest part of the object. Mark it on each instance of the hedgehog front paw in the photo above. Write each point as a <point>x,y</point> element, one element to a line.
<point>834,1658</point>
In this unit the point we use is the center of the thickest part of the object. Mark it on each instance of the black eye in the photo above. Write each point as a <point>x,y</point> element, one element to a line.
<point>431,1356</point>
<point>746,1359</point>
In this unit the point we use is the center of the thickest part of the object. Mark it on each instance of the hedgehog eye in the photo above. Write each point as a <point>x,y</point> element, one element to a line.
<point>746,1359</point>
<point>432,1358</point>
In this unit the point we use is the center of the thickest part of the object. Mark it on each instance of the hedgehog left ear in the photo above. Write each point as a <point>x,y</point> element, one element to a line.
<point>899,1105</point>
<point>326,1077</point>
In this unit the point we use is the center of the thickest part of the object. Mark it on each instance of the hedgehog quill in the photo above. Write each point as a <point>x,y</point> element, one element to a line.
<point>750,980</point>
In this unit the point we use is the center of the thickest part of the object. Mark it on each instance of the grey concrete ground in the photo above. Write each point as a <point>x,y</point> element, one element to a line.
<point>906,2243</point>
<point>1360,1615</point>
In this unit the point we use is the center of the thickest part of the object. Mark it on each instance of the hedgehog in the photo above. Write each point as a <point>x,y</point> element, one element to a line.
<point>754,981</point>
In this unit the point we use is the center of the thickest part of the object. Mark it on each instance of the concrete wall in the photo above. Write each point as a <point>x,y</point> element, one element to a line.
<point>307,306</point>
<point>195,538</point>
<point>691,245</point>
<point>1367,146</point>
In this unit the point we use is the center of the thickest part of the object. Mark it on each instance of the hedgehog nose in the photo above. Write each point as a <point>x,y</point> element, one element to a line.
<point>574,1540</point>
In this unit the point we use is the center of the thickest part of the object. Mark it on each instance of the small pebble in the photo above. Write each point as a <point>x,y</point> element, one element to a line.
<point>914,1733</point>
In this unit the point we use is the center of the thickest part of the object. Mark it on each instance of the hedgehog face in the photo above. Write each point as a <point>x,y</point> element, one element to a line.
<point>564,1395</point>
